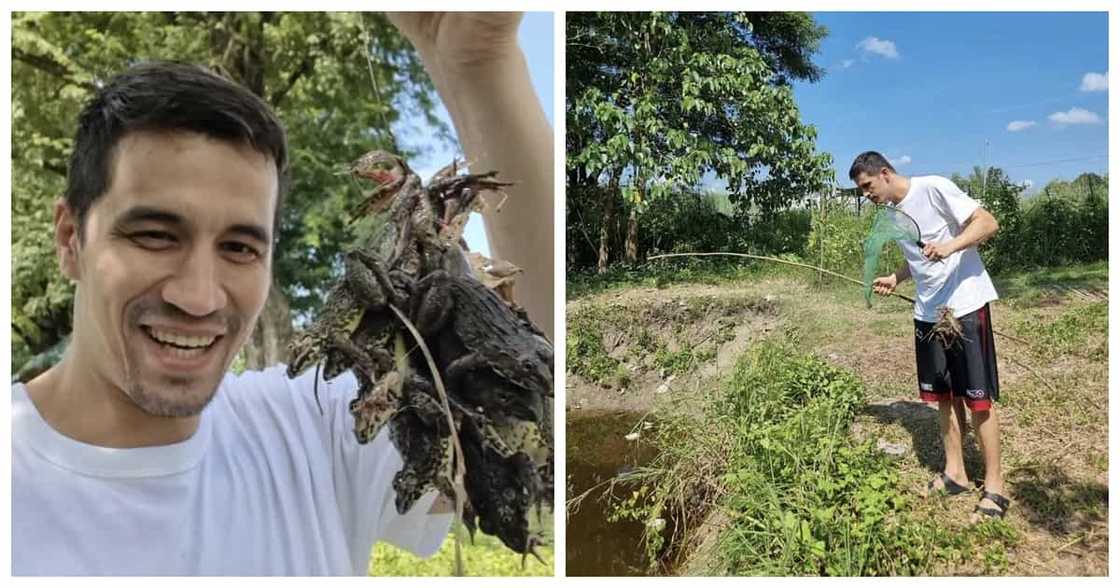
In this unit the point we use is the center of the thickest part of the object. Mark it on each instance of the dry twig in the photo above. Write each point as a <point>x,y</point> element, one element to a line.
<point>458,464</point>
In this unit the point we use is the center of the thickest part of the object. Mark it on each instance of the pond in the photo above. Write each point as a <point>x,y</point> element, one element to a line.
<point>597,451</point>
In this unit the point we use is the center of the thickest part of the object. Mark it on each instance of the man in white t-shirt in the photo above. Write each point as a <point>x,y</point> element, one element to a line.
<point>950,277</point>
<point>138,454</point>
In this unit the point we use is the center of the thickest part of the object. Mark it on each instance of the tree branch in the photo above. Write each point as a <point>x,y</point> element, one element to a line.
<point>18,332</point>
<point>51,67</point>
<point>58,169</point>
<point>304,68</point>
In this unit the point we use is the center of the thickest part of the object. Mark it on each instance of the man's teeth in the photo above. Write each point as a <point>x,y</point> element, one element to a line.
<point>181,340</point>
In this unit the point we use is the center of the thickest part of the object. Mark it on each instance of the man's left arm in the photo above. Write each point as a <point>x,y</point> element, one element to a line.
<point>979,227</point>
<point>481,75</point>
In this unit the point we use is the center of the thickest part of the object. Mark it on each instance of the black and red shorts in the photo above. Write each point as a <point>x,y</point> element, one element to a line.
<point>965,369</point>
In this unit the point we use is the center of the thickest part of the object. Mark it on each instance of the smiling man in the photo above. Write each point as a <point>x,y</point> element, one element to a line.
<point>172,262</point>
<point>949,277</point>
<point>139,454</point>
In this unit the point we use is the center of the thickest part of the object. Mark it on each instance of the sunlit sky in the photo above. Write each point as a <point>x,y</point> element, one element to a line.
<point>536,40</point>
<point>939,93</point>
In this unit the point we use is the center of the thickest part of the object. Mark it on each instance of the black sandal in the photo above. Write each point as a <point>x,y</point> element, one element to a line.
<point>992,513</point>
<point>948,486</point>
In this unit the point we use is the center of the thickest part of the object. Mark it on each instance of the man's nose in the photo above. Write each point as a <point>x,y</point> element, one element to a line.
<point>195,287</point>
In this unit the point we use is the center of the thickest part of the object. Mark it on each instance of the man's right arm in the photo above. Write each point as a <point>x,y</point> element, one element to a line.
<point>886,284</point>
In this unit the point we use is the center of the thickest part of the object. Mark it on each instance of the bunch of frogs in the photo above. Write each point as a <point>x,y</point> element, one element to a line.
<point>496,365</point>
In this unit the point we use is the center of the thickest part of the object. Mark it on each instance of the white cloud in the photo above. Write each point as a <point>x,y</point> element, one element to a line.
<point>1019,125</point>
<point>878,46</point>
<point>1027,184</point>
<point>1075,116</point>
<point>847,63</point>
<point>1094,82</point>
<point>905,159</point>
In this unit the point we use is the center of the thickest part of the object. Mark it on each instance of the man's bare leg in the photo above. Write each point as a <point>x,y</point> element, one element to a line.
<point>987,433</point>
<point>953,425</point>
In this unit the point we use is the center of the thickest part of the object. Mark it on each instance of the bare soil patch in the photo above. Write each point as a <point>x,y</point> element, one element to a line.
<point>667,342</point>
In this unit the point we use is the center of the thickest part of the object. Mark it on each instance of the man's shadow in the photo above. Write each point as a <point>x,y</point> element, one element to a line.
<point>1043,494</point>
<point>921,420</point>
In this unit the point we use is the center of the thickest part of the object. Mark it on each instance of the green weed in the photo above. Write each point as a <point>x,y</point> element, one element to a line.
<point>487,556</point>
<point>586,354</point>
<point>773,453</point>
<point>1079,330</point>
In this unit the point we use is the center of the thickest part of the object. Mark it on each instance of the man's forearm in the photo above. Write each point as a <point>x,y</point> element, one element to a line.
<point>978,228</point>
<point>501,126</point>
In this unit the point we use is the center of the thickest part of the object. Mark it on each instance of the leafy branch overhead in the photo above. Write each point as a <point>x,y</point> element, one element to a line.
<point>680,96</point>
<point>660,101</point>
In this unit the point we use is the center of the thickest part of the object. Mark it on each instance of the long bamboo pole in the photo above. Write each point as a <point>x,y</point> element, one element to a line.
<point>842,277</point>
<point>776,260</point>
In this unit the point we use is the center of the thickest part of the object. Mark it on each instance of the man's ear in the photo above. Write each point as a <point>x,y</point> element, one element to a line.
<point>66,240</point>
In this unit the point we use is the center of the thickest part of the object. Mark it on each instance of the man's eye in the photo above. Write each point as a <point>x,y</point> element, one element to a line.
<point>241,252</point>
<point>153,239</point>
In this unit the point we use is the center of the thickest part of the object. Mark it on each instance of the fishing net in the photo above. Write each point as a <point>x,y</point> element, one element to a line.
<point>890,224</point>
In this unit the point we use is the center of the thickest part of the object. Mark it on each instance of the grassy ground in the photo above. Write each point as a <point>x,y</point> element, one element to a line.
<point>486,557</point>
<point>1053,410</point>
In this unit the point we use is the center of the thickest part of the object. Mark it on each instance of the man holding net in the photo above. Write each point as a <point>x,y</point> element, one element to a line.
<point>952,320</point>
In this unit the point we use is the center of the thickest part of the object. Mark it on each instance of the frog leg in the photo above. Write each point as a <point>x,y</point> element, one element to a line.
<point>339,314</point>
<point>423,454</point>
<point>431,307</point>
<point>362,362</point>
<point>375,405</point>
<point>302,350</point>
<point>367,278</point>
<point>470,519</point>
<point>531,548</point>
<point>383,278</point>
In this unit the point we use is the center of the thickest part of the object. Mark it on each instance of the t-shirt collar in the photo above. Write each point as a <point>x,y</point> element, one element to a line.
<point>105,462</point>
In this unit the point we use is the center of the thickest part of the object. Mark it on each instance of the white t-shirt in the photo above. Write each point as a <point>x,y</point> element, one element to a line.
<point>959,281</point>
<point>265,486</point>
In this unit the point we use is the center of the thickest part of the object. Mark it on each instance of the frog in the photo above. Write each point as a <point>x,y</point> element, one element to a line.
<point>365,287</point>
<point>501,491</point>
<point>419,430</point>
<point>493,360</point>
<point>377,401</point>
<point>496,364</point>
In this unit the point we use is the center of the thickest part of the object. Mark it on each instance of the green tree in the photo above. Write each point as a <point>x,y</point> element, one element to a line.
<point>1068,221</point>
<point>1001,197</point>
<point>658,100</point>
<point>338,81</point>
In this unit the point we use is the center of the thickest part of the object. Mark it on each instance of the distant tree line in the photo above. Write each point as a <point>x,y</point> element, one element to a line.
<point>1065,222</point>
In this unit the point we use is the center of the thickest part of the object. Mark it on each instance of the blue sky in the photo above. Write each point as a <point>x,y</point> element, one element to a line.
<point>536,38</point>
<point>938,93</point>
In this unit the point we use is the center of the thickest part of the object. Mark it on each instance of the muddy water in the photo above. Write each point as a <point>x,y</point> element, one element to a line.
<point>598,450</point>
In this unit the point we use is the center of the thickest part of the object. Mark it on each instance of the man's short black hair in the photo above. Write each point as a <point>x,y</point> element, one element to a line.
<point>167,96</point>
<point>869,162</point>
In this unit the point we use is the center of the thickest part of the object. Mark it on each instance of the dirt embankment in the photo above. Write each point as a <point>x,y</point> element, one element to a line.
<point>634,347</point>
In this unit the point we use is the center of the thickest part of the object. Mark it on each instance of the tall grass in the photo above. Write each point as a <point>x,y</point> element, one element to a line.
<point>772,451</point>
<point>802,497</point>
